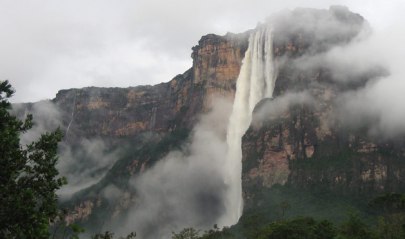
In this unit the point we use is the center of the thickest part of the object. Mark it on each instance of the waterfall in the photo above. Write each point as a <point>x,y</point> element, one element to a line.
<point>72,116</point>
<point>255,82</point>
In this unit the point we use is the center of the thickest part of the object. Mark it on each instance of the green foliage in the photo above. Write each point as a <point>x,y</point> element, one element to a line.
<point>284,206</point>
<point>217,233</point>
<point>251,223</point>
<point>105,235</point>
<point>186,233</point>
<point>389,203</point>
<point>60,230</point>
<point>354,228</point>
<point>301,228</point>
<point>305,228</point>
<point>110,235</point>
<point>391,226</point>
<point>391,207</point>
<point>76,229</point>
<point>28,177</point>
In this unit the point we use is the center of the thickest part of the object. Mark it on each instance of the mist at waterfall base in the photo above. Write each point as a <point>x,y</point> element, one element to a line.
<point>186,188</point>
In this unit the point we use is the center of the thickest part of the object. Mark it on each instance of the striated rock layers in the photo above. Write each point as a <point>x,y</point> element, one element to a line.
<point>116,112</point>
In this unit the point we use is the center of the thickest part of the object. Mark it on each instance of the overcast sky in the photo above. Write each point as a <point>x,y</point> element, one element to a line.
<point>48,45</point>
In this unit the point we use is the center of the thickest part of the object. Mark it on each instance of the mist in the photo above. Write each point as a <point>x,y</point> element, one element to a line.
<point>186,188</point>
<point>382,98</point>
<point>46,117</point>
<point>371,60</point>
<point>269,109</point>
<point>83,164</point>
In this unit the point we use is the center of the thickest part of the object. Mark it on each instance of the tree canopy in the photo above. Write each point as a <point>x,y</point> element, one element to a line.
<point>28,176</point>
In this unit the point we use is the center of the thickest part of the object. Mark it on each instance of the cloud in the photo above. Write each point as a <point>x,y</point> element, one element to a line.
<point>380,101</point>
<point>112,193</point>
<point>46,118</point>
<point>317,29</point>
<point>379,106</point>
<point>50,45</point>
<point>185,188</point>
<point>83,163</point>
<point>350,62</point>
<point>270,109</point>
<point>371,61</point>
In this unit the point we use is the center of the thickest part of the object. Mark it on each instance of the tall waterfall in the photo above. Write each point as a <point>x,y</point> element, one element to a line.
<point>255,81</point>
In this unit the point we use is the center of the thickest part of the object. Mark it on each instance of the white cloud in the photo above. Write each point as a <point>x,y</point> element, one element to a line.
<point>49,45</point>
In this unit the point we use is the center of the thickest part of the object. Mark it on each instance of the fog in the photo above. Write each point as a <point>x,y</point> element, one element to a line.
<point>47,117</point>
<point>186,188</point>
<point>83,164</point>
<point>377,56</point>
<point>372,56</point>
<point>271,109</point>
<point>381,98</point>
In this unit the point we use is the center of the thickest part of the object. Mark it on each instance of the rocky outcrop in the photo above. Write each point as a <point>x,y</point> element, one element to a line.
<point>216,65</point>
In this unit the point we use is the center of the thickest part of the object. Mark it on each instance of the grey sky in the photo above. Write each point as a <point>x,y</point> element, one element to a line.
<point>47,45</point>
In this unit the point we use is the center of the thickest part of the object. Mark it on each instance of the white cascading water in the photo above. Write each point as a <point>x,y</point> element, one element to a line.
<point>255,82</point>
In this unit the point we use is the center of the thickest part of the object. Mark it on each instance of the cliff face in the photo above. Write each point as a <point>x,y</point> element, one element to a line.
<point>117,112</point>
<point>216,65</point>
<point>303,147</point>
<point>298,148</point>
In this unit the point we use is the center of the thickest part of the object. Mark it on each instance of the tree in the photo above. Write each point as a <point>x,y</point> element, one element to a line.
<point>186,233</point>
<point>391,207</point>
<point>354,228</point>
<point>110,235</point>
<point>305,228</point>
<point>216,232</point>
<point>284,206</point>
<point>28,176</point>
